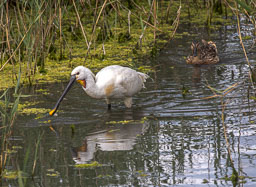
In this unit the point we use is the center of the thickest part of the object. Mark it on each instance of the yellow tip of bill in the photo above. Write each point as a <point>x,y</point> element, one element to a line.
<point>52,111</point>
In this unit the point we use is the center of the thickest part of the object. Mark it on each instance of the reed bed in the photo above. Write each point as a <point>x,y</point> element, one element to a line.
<point>35,32</point>
<point>8,111</point>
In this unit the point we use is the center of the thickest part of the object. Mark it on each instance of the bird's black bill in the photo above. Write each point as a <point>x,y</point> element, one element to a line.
<point>72,80</point>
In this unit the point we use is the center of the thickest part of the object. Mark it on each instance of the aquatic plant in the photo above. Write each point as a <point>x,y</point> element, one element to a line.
<point>221,94</point>
<point>90,165</point>
<point>48,38</point>
<point>8,111</point>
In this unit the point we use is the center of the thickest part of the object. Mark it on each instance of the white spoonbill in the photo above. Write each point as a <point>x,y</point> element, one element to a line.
<point>110,82</point>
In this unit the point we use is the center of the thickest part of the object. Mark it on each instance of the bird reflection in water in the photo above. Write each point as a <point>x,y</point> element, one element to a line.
<point>121,137</point>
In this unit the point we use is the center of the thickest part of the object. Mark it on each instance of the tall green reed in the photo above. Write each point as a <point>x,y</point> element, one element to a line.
<point>8,111</point>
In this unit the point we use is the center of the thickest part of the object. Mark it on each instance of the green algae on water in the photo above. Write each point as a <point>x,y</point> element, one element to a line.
<point>91,165</point>
<point>27,109</point>
<point>52,173</point>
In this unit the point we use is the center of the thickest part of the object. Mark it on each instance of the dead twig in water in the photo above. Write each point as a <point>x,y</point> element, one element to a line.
<point>236,13</point>
<point>222,95</point>
<point>242,44</point>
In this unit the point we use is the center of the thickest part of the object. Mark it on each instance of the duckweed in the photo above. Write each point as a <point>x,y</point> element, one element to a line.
<point>145,69</point>
<point>17,147</point>
<point>91,165</point>
<point>29,111</point>
<point>52,173</point>
<point>10,174</point>
<point>120,122</point>
<point>26,109</point>
<point>141,121</point>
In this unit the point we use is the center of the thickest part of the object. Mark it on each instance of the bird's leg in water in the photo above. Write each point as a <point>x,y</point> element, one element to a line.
<point>109,106</point>
<point>128,102</point>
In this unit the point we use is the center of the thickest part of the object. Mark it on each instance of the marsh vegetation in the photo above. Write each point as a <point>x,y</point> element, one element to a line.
<point>190,119</point>
<point>46,39</point>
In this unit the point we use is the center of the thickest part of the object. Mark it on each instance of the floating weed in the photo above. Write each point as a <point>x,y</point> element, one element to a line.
<point>91,165</point>
<point>26,108</point>
<point>252,97</point>
<point>120,122</point>
<point>205,181</point>
<point>247,37</point>
<point>123,122</point>
<point>11,151</point>
<point>143,120</point>
<point>145,69</point>
<point>114,130</point>
<point>50,170</point>
<point>242,177</point>
<point>26,104</point>
<point>39,116</point>
<point>196,117</point>
<point>52,173</point>
<point>45,122</point>
<point>185,34</point>
<point>142,173</point>
<point>103,176</point>
<point>10,174</point>
<point>29,111</point>
<point>17,147</point>
<point>234,177</point>
<point>57,174</point>
<point>185,91</point>
<point>43,91</point>
<point>238,179</point>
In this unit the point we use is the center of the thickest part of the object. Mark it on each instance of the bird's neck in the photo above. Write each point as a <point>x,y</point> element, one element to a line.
<point>91,87</point>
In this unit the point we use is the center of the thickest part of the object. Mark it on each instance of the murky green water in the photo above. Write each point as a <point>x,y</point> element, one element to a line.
<point>167,138</point>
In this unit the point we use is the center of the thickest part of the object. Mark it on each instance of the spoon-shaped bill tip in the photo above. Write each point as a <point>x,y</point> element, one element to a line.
<point>52,111</point>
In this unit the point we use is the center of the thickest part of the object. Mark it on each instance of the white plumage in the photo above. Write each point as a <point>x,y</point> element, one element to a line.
<point>111,82</point>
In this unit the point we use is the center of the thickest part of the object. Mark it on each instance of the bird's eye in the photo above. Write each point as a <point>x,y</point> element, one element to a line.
<point>77,73</point>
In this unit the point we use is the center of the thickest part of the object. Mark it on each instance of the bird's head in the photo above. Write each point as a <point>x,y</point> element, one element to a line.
<point>195,47</point>
<point>80,74</point>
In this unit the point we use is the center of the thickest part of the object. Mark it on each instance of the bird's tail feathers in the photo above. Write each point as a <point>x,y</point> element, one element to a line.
<point>143,77</point>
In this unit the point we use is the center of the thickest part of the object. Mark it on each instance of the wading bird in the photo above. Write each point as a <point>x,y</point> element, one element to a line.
<point>205,53</point>
<point>111,82</point>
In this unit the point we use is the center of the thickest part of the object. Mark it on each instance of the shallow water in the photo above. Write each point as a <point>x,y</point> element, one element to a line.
<point>167,138</point>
